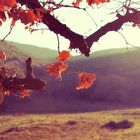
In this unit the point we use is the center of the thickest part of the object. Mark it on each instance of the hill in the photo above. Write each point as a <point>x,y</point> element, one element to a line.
<point>117,81</point>
<point>117,75</point>
<point>18,53</point>
<point>33,51</point>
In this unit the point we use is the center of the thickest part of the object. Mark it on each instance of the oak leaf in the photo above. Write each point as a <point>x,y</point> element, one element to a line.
<point>25,93</point>
<point>7,4</point>
<point>2,56</point>
<point>56,69</point>
<point>86,80</point>
<point>97,2</point>
<point>77,3</point>
<point>64,56</point>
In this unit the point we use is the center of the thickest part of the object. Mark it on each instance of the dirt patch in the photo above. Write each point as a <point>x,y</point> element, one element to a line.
<point>125,124</point>
<point>71,123</point>
<point>12,129</point>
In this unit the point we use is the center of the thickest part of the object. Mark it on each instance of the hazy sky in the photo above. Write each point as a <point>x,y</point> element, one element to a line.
<point>79,22</point>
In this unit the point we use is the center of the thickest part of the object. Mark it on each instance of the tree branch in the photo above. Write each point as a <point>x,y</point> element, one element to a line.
<point>112,26</point>
<point>15,83</point>
<point>77,40</point>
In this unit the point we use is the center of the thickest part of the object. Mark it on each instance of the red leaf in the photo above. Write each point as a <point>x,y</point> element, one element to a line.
<point>7,4</point>
<point>25,93</point>
<point>25,16</point>
<point>64,56</point>
<point>2,56</point>
<point>77,3</point>
<point>86,80</point>
<point>97,2</point>
<point>56,69</point>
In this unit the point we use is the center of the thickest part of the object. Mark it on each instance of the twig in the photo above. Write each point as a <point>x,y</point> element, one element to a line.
<point>29,82</point>
<point>91,17</point>
<point>7,34</point>
<point>10,49</point>
<point>58,41</point>
<point>126,42</point>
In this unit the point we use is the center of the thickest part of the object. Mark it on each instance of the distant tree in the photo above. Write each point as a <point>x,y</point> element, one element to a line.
<point>34,12</point>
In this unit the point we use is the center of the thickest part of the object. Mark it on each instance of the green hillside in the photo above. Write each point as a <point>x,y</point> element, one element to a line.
<point>18,53</point>
<point>117,72</point>
<point>29,50</point>
<point>117,81</point>
<point>37,52</point>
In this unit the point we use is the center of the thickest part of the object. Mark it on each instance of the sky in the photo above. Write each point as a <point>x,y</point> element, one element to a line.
<point>79,22</point>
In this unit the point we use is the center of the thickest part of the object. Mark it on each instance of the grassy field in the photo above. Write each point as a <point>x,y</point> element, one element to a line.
<point>80,126</point>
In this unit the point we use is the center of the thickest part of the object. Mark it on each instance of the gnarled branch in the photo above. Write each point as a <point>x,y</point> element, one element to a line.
<point>29,82</point>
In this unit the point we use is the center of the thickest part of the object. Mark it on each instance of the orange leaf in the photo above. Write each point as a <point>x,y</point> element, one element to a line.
<point>97,2</point>
<point>7,4</point>
<point>25,16</point>
<point>2,56</point>
<point>56,69</point>
<point>77,3</point>
<point>25,93</point>
<point>64,56</point>
<point>86,80</point>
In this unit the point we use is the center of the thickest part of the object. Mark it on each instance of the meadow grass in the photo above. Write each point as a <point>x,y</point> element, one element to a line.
<point>78,126</point>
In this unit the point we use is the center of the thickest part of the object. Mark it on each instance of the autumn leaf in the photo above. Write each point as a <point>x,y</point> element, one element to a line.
<point>56,69</point>
<point>97,2</point>
<point>64,56</point>
<point>7,4</point>
<point>77,3</point>
<point>25,16</point>
<point>25,93</point>
<point>86,80</point>
<point>2,56</point>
